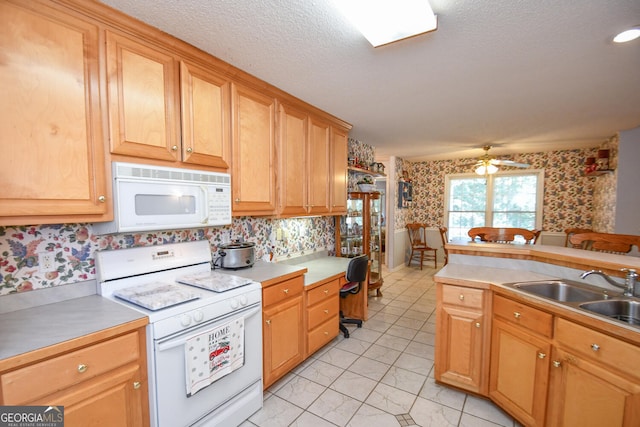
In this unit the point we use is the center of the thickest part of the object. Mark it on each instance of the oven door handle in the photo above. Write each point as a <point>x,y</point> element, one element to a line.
<point>182,337</point>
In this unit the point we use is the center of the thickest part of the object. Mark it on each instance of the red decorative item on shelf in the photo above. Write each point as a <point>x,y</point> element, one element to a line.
<point>603,160</point>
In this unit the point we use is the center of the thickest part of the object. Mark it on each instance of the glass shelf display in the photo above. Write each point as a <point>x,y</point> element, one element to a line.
<point>359,232</point>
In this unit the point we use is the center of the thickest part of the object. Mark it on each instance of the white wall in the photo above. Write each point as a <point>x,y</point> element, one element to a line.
<point>627,219</point>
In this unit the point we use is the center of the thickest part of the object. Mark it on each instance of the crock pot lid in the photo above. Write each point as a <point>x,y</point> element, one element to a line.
<point>238,245</point>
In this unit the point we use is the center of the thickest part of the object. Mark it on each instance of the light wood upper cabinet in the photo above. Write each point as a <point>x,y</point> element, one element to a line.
<point>143,99</point>
<point>205,102</point>
<point>52,162</point>
<point>253,142</point>
<point>312,164</point>
<point>292,155</point>
<point>339,161</point>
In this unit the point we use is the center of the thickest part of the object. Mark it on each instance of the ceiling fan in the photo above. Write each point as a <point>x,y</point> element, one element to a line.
<point>487,165</point>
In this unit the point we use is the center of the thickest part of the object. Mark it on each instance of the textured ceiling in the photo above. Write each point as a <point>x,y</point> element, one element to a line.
<point>522,75</point>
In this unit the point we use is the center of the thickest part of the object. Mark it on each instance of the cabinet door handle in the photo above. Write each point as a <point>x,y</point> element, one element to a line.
<point>595,347</point>
<point>477,324</point>
<point>174,148</point>
<point>556,363</point>
<point>82,368</point>
<point>268,322</point>
<point>461,297</point>
<point>516,314</point>
<point>102,199</point>
<point>136,385</point>
<point>286,291</point>
<point>541,355</point>
<point>189,150</point>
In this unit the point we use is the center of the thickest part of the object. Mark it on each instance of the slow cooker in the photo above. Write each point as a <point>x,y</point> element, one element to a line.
<point>237,255</point>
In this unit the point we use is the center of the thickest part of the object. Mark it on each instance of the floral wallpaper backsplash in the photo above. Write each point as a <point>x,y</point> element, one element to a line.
<point>74,246</point>
<point>568,195</point>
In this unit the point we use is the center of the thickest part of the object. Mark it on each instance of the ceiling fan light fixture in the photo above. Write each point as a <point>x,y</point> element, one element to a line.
<point>386,21</point>
<point>627,36</point>
<point>488,169</point>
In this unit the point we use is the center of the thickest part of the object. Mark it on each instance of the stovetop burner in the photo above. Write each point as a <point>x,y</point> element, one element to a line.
<point>214,281</point>
<point>156,295</point>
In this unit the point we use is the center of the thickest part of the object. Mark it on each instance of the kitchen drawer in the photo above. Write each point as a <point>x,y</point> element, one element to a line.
<point>523,315</point>
<point>322,334</point>
<point>323,292</point>
<point>461,296</point>
<point>283,290</point>
<point>598,346</point>
<point>31,382</point>
<point>323,311</point>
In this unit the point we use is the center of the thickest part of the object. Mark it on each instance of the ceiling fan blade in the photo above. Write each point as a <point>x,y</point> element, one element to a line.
<point>509,163</point>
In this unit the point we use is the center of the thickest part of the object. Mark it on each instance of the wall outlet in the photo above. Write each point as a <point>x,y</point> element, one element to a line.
<point>46,261</point>
<point>279,234</point>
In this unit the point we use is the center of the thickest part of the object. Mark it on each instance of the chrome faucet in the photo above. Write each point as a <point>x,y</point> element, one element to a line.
<point>629,284</point>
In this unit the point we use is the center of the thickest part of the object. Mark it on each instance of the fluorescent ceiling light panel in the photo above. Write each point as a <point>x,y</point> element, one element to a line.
<point>627,36</point>
<point>386,21</point>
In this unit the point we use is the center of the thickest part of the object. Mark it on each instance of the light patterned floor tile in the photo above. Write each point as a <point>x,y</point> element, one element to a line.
<point>335,407</point>
<point>382,354</point>
<point>401,331</point>
<point>486,410</point>
<point>430,414</point>
<point>300,391</point>
<point>355,385</point>
<point>404,380</point>
<point>307,419</point>
<point>368,416</point>
<point>353,345</point>
<point>443,395</point>
<point>419,365</point>
<point>369,368</point>
<point>321,372</point>
<point>276,412</point>
<point>340,358</point>
<point>391,399</point>
<point>365,334</point>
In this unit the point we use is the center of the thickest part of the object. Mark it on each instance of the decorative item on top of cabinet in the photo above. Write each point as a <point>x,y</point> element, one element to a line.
<point>463,325</point>
<point>253,150</point>
<point>52,167</point>
<point>359,232</point>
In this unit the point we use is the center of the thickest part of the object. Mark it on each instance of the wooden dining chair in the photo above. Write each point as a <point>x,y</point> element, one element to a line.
<point>445,240</point>
<point>571,231</point>
<point>503,234</point>
<point>419,248</point>
<point>611,243</point>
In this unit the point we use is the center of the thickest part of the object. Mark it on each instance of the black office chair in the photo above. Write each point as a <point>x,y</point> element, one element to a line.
<point>356,275</point>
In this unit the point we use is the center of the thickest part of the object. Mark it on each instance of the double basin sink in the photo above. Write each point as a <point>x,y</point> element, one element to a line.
<point>589,298</point>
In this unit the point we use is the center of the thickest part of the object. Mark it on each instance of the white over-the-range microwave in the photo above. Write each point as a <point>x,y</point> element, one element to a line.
<point>152,198</point>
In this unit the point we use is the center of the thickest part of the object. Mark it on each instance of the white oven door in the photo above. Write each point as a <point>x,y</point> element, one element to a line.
<point>161,205</point>
<point>172,407</point>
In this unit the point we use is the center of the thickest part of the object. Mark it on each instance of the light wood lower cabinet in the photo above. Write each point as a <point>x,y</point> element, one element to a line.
<point>102,384</point>
<point>594,379</point>
<point>323,315</point>
<point>462,338</point>
<point>283,329</point>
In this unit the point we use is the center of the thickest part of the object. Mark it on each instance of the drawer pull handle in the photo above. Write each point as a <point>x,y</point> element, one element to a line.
<point>82,368</point>
<point>556,364</point>
<point>516,314</point>
<point>461,297</point>
<point>326,291</point>
<point>326,333</point>
<point>136,385</point>
<point>326,312</point>
<point>595,347</point>
<point>477,324</point>
<point>542,355</point>
<point>268,322</point>
<point>286,291</point>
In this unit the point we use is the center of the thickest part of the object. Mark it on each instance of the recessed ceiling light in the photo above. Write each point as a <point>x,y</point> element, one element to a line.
<point>386,21</point>
<point>627,36</point>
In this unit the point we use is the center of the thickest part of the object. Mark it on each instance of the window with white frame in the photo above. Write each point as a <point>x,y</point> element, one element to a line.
<point>504,199</point>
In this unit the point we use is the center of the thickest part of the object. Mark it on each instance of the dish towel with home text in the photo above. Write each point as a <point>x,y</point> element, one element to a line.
<point>213,354</point>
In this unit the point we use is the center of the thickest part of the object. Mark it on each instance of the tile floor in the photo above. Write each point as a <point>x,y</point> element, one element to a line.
<point>382,376</point>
